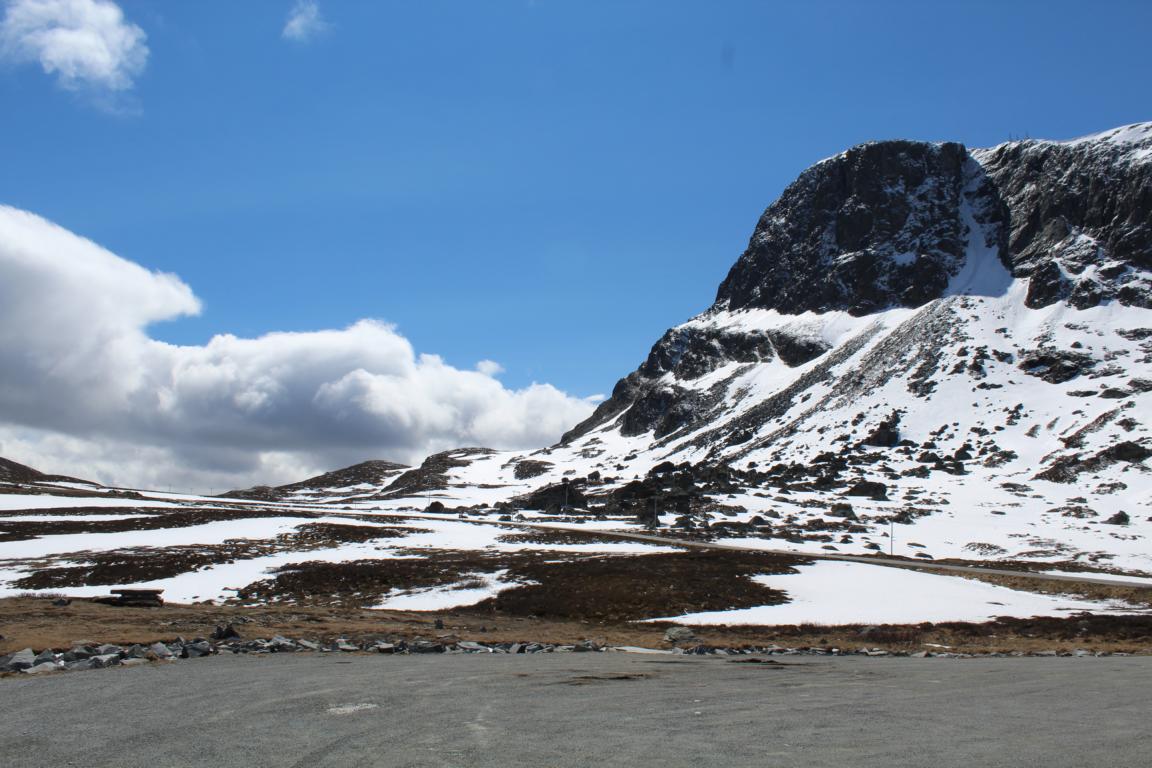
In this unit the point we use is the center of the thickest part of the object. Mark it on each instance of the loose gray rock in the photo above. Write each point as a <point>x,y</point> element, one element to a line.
<point>468,645</point>
<point>679,635</point>
<point>20,660</point>
<point>83,651</point>
<point>42,668</point>
<point>281,644</point>
<point>161,651</point>
<point>197,649</point>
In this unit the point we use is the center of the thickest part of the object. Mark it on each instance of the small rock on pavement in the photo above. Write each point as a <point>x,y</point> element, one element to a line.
<point>160,650</point>
<point>196,649</point>
<point>19,660</point>
<point>41,668</point>
<point>282,644</point>
<point>471,647</point>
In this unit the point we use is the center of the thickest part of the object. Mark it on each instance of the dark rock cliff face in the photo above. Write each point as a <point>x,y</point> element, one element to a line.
<point>1080,217</point>
<point>890,224</point>
<point>688,353</point>
<point>881,225</point>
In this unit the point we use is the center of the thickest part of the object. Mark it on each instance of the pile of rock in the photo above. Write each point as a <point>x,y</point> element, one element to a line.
<point>225,639</point>
<point>84,656</point>
<point>280,644</point>
<point>776,650</point>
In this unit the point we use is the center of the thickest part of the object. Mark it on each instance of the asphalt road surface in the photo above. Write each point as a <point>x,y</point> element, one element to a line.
<point>596,709</point>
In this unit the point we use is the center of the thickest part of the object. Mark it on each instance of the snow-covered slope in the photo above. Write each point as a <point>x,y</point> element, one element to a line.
<point>959,342</point>
<point>925,352</point>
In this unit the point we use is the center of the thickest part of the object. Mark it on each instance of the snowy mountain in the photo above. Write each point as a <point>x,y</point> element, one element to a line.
<point>960,341</point>
<point>925,352</point>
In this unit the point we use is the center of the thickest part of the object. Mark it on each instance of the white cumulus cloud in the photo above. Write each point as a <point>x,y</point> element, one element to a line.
<point>86,44</point>
<point>86,391</point>
<point>304,22</point>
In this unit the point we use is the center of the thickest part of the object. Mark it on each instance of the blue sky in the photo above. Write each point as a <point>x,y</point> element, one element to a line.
<point>546,184</point>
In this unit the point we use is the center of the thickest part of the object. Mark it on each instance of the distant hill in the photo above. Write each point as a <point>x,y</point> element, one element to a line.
<point>369,475</point>
<point>13,472</point>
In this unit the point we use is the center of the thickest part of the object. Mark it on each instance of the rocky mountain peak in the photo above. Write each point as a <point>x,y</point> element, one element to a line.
<point>1080,215</point>
<point>894,223</point>
<point>883,224</point>
<point>900,224</point>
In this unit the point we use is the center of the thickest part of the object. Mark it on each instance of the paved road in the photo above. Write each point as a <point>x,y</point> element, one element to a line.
<point>580,710</point>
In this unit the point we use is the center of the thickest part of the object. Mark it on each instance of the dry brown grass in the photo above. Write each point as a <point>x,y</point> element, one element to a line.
<point>36,623</point>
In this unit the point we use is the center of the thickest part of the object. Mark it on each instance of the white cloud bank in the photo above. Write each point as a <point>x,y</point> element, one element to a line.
<point>86,391</point>
<point>304,22</point>
<point>86,44</point>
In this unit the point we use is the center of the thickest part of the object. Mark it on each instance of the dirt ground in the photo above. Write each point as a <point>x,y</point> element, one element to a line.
<point>37,623</point>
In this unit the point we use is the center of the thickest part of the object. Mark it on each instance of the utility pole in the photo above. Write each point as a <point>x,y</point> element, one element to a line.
<point>891,537</point>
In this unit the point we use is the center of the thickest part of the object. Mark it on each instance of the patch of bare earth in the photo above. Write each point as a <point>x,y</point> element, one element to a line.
<point>137,564</point>
<point>556,537</point>
<point>640,587</point>
<point>563,585</point>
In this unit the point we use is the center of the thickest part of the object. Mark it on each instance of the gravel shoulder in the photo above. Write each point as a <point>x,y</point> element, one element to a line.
<point>582,709</point>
